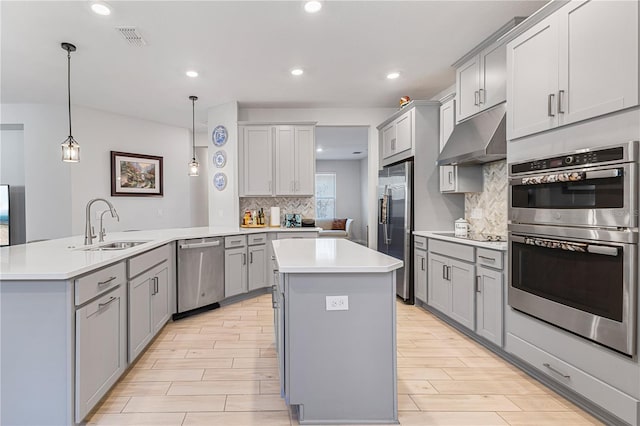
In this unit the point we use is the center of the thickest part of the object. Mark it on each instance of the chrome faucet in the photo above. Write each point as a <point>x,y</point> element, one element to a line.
<point>88,229</point>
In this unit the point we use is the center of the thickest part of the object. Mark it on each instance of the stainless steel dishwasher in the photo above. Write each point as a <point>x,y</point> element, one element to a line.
<point>200,275</point>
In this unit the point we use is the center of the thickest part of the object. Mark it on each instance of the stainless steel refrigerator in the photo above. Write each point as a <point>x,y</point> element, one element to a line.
<point>395,220</point>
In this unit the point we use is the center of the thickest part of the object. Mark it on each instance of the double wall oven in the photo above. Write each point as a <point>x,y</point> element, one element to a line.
<point>573,242</point>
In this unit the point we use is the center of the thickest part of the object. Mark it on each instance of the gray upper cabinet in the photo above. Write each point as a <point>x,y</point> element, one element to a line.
<point>305,160</point>
<point>388,135</point>
<point>256,154</point>
<point>481,82</point>
<point>580,62</point>
<point>285,161</point>
<point>489,307</point>
<point>397,136</point>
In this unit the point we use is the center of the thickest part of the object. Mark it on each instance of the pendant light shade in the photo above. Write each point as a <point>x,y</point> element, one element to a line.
<point>70,148</point>
<point>194,166</point>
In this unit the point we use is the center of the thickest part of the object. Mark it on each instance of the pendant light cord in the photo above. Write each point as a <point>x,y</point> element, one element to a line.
<point>69,88</point>
<point>193,128</point>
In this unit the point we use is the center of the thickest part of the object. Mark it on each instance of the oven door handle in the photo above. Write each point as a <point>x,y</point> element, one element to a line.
<point>572,176</point>
<point>566,245</point>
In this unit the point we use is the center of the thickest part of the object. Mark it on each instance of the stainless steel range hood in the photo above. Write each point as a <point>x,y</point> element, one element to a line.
<point>480,139</point>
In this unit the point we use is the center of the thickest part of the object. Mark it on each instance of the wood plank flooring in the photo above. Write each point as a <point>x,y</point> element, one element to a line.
<point>219,368</point>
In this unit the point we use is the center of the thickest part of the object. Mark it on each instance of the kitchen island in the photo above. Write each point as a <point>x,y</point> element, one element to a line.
<point>335,327</point>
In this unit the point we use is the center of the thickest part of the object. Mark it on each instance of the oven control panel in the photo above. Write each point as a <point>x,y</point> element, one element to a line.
<point>570,160</point>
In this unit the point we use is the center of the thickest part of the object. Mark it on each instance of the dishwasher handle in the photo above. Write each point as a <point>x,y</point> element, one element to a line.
<point>200,245</point>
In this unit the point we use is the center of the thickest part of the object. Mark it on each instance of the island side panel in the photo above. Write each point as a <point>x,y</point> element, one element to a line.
<point>342,364</point>
<point>36,339</point>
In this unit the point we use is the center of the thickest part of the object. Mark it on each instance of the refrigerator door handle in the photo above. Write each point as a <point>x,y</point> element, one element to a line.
<point>387,234</point>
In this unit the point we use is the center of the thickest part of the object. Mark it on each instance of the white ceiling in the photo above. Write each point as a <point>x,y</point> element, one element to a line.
<point>340,142</point>
<point>243,51</point>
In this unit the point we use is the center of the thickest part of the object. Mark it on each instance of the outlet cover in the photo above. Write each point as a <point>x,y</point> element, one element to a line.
<point>337,303</point>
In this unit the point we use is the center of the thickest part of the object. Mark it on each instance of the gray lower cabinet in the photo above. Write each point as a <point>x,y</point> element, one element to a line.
<point>160,297</point>
<point>489,305</point>
<point>101,348</point>
<point>420,274</point>
<point>451,288</point>
<point>257,267</point>
<point>235,271</point>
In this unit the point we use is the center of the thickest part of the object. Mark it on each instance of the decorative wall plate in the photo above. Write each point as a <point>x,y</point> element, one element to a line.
<point>220,159</point>
<point>220,181</point>
<point>219,136</point>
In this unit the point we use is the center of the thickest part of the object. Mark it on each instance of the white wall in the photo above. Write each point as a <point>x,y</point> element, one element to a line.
<point>335,117</point>
<point>57,192</point>
<point>224,205</point>
<point>348,191</point>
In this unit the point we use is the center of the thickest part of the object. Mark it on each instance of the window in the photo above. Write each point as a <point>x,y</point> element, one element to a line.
<point>325,195</point>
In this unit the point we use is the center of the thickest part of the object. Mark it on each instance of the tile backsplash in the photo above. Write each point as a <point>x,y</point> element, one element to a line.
<point>492,201</point>
<point>302,205</point>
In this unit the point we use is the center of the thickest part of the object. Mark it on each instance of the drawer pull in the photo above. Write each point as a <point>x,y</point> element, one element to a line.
<point>257,239</point>
<point>107,303</point>
<point>559,373</point>
<point>101,283</point>
<point>487,259</point>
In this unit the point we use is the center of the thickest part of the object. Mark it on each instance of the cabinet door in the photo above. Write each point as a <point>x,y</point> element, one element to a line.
<point>257,267</point>
<point>437,286</point>
<point>285,160</point>
<point>447,121</point>
<point>467,86</point>
<point>447,178</point>
<point>404,132</point>
<point>140,327</point>
<point>420,274</point>
<point>160,297</point>
<point>463,300</point>
<point>305,160</point>
<point>235,271</point>
<point>101,348</point>
<point>598,58</point>
<point>532,80</point>
<point>489,290</point>
<point>256,159</point>
<point>388,140</point>
<point>493,76</point>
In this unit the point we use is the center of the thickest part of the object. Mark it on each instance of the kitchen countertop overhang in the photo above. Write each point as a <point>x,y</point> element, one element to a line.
<point>64,258</point>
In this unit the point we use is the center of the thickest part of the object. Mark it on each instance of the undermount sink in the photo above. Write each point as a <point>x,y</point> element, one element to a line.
<point>115,245</point>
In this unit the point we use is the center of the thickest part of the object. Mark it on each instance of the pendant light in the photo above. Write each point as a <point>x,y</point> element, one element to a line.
<point>193,165</point>
<point>70,148</point>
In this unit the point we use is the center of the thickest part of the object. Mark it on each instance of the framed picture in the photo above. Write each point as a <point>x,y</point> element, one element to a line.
<point>292,220</point>
<point>135,175</point>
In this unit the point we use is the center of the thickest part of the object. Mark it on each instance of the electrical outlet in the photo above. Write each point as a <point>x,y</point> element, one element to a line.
<point>337,303</point>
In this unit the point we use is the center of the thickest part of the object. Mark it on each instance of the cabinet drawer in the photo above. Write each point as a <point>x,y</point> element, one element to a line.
<point>490,258</point>
<point>90,286</point>
<point>285,235</point>
<point>457,251</point>
<point>255,239</point>
<point>598,392</point>
<point>235,241</point>
<point>148,260</point>
<point>419,243</point>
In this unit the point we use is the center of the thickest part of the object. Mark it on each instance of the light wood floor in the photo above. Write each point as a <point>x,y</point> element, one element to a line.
<point>219,368</point>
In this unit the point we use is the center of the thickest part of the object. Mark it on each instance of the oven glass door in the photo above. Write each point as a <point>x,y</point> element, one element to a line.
<point>590,282</point>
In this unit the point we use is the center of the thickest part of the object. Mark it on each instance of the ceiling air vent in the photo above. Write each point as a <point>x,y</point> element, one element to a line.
<point>132,36</point>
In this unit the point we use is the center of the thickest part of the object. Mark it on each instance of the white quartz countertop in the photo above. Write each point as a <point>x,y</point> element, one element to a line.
<point>448,236</point>
<point>329,255</point>
<point>64,258</point>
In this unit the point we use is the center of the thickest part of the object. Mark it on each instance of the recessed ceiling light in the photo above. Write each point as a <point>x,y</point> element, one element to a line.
<point>101,8</point>
<point>318,149</point>
<point>192,74</point>
<point>312,6</point>
<point>297,71</point>
<point>393,75</point>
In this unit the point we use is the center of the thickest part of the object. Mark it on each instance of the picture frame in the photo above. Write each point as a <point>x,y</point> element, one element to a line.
<point>136,175</point>
<point>292,220</point>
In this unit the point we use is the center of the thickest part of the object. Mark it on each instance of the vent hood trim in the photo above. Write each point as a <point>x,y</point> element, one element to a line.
<point>481,139</point>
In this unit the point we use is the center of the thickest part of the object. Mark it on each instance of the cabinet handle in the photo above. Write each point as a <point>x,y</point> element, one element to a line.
<point>423,264</point>
<point>393,144</point>
<point>273,297</point>
<point>560,101</point>
<point>549,105</point>
<point>450,177</point>
<point>478,284</point>
<point>448,273</point>
<point>444,272</point>
<point>107,303</point>
<point>251,257</point>
<point>101,283</point>
<point>157,285</point>
<point>559,373</point>
<point>476,98</point>
<point>481,96</point>
<point>244,258</point>
<point>487,259</point>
